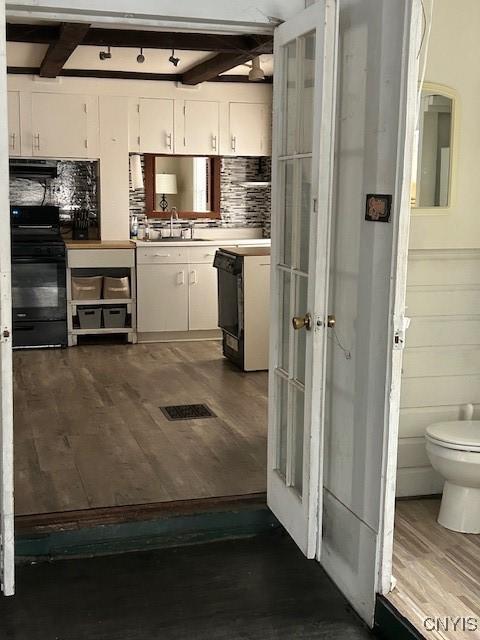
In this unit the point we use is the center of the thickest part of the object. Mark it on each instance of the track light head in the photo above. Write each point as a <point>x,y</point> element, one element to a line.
<point>256,73</point>
<point>105,55</point>
<point>141,57</point>
<point>173,59</point>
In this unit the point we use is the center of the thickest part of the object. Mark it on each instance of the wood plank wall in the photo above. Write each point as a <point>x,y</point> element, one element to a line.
<point>441,371</point>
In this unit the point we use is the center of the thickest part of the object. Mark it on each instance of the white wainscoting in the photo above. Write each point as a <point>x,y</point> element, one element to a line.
<point>441,370</point>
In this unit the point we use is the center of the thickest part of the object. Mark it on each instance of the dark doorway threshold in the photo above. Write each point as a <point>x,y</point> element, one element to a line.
<point>390,624</point>
<point>139,527</point>
<point>258,588</point>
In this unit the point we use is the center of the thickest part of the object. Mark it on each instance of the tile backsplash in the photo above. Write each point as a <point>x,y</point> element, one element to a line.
<point>240,206</point>
<point>76,187</point>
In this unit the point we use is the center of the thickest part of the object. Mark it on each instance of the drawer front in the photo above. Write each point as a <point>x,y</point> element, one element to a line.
<point>86,258</point>
<point>204,255</point>
<point>162,255</point>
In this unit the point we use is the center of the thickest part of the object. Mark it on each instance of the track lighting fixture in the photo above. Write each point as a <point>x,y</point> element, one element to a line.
<point>105,55</point>
<point>140,57</point>
<point>256,71</point>
<point>173,59</point>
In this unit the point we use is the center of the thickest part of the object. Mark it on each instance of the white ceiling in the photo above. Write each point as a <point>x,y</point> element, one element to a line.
<point>21,54</point>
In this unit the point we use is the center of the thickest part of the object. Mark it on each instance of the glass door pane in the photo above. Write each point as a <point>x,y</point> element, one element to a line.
<point>295,179</point>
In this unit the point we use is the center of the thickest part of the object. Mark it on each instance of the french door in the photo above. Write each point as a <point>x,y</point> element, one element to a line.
<point>303,109</point>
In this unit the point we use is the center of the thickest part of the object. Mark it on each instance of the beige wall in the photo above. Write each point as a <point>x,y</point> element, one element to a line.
<point>452,60</point>
<point>441,370</point>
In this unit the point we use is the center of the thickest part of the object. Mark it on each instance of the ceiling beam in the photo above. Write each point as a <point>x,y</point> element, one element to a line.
<point>48,34</point>
<point>127,75</point>
<point>70,36</point>
<point>222,62</point>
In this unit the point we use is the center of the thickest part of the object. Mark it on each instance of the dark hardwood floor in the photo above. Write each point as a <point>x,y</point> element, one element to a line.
<point>89,432</point>
<point>261,588</point>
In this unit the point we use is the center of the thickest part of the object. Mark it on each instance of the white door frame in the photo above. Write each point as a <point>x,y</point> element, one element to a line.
<point>416,43</point>
<point>7,553</point>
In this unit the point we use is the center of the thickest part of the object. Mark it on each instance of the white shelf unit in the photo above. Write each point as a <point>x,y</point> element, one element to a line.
<point>101,262</point>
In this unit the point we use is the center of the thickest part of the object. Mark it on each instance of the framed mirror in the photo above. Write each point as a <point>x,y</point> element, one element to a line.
<point>433,149</point>
<point>189,184</point>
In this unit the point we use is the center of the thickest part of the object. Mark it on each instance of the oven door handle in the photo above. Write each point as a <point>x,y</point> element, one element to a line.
<point>37,260</point>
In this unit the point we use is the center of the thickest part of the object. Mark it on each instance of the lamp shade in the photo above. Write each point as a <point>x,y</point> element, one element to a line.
<point>165,183</point>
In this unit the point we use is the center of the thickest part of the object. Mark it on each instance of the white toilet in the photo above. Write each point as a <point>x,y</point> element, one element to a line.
<point>454,451</point>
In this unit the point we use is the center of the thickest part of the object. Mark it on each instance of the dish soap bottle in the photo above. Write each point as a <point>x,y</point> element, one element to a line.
<point>134,227</point>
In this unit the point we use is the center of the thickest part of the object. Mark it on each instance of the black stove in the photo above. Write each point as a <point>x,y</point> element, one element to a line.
<point>39,304</point>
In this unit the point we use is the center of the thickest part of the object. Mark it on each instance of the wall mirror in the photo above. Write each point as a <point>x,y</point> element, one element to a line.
<point>190,184</point>
<point>432,163</point>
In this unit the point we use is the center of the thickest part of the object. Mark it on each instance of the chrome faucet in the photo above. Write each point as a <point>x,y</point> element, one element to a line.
<point>173,215</point>
<point>192,228</point>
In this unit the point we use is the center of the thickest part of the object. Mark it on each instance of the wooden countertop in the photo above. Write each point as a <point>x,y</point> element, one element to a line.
<point>247,251</point>
<point>99,244</point>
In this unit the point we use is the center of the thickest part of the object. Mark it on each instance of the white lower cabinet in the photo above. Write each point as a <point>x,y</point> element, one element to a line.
<point>162,297</point>
<point>176,289</point>
<point>203,298</point>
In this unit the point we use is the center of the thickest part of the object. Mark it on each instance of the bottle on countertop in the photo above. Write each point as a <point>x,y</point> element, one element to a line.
<point>134,227</point>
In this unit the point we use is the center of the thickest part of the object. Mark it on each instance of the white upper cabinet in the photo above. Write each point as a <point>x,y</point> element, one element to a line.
<point>151,125</point>
<point>64,125</point>
<point>13,123</point>
<point>201,132</point>
<point>250,129</point>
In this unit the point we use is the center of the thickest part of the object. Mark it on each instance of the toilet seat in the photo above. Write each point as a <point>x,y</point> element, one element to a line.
<point>462,435</point>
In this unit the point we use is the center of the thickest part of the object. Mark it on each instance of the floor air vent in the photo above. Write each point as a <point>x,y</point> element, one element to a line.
<point>187,412</point>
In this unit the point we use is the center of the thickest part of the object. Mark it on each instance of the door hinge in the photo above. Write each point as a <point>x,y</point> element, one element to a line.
<point>138,107</point>
<point>184,142</point>
<point>85,107</point>
<point>6,333</point>
<point>184,110</point>
<point>86,143</point>
<point>315,205</point>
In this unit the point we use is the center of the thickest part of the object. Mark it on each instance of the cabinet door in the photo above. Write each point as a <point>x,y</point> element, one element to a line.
<point>134,125</point>
<point>59,125</point>
<point>201,127</point>
<point>13,123</point>
<point>156,125</point>
<point>162,297</point>
<point>203,297</point>
<point>250,133</point>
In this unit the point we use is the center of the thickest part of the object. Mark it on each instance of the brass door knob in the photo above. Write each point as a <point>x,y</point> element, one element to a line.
<point>331,322</point>
<point>304,322</point>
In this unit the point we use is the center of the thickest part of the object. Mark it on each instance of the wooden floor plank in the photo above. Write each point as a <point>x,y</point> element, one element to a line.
<point>437,570</point>
<point>89,431</point>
